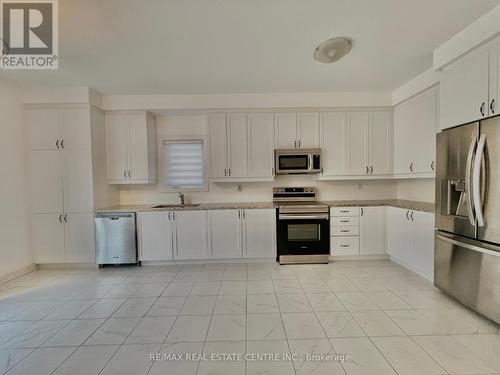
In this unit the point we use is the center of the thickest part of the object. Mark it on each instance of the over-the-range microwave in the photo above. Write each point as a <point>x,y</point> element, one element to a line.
<point>297,161</point>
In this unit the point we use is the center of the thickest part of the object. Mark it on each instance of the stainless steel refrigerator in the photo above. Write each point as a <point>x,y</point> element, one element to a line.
<point>467,238</point>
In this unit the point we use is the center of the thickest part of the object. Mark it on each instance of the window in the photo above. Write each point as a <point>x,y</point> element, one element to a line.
<point>183,167</point>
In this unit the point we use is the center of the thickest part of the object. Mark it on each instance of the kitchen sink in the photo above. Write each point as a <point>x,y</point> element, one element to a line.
<point>175,205</point>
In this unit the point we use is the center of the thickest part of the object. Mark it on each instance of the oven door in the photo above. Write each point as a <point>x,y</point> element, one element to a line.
<point>302,234</point>
<point>292,163</point>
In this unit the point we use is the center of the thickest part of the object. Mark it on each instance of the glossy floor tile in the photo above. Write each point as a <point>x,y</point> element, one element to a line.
<point>347,317</point>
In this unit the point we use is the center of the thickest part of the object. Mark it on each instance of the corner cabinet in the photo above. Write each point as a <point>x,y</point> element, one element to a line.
<point>411,240</point>
<point>131,147</point>
<point>415,126</point>
<point>241,147</point>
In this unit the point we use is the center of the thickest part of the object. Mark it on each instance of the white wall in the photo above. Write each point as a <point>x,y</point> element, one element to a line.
<point>196,126</point>
<point>14,230</point>
<point>417,190</point>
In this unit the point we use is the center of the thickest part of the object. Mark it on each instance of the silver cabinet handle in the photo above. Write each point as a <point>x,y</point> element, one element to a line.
<point>57,144</point>
<point>411,167</point>
<point>124,173</point>
<point>299,143</point>
<point>62,143</point>
<point>244,214</point>
<point>60,218</point>
<point>169,216</point>
<point>239,214</point>
<point>65,218</point>
<point>129,173</point>
<point>225,172</point>
<point>366,169</point>
<point>433,164</point>
<point>371,169</point>
<point>230,171</point>
<point>411,216</point>
<point>345,245</point>
<point>173,215</point>
<point>492,106</point>
<point>344,230</point>
<point>407,213</point>
<point>294,143</point>
<point>481,109</point>
<point>362,211</point>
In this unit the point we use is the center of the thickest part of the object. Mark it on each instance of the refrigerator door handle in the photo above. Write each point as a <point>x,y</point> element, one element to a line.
<point>468,181</point>
<point>483,248</point>
<point>476,180</point>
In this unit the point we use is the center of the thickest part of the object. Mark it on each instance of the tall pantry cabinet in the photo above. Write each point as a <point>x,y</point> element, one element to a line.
<point>67,181</point>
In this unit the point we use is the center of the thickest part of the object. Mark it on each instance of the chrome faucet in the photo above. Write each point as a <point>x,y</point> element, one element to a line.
<point>181,195</point>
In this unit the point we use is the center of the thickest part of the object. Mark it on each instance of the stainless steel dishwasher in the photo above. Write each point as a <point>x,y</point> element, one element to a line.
<point>115,235</point>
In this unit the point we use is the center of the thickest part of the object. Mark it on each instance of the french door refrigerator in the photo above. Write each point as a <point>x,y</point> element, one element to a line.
<point>467,237</point>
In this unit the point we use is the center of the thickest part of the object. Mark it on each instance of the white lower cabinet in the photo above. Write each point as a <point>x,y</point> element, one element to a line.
<point>259,233</point>
<point>411,240</point>
<point>190,234</point>
<point>155,237</point>
<point>63,238</point>
<point>224,233</point>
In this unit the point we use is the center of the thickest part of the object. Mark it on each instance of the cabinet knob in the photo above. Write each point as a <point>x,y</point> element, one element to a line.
<point>492,106</point>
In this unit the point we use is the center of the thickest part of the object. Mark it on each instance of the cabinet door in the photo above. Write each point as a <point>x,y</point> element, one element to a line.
<point>260,144</point>
<point>422,260</point>
<point>259,233</point>
<point>333,138</point>
<point>464,89</point>
<point>356,161</point>
<point>284,130</point>
<point>137,147</point>
<point>190,234</point>
<point>399,235</point>
<point>45,184</point>
<point>155,235</point>
<point>380,142</point>
<point>218,147</point>
<point>425,117</point>
<point>47,238</point>
<point>225,233</point>
<point>77,180</point>
<point>404,132</point>
<point>308,130</point>
<point>372,231</point>
<point>43,129</point>
<point>237,145</point>
<point>116,147</point>
<point>75,128</point>
<point>79,238</point>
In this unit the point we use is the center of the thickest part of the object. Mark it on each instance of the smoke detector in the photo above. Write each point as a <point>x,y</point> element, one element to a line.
<point>332,50</point>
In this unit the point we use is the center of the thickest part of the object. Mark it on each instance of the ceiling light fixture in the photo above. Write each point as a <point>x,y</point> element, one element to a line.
<point>332,50</point>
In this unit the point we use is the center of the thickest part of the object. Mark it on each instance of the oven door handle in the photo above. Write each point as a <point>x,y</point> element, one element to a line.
<point>303,217</point>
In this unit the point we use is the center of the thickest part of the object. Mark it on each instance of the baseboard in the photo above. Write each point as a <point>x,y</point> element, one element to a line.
<point>207,261</point>
<point>19,272</point>
<point>359,257</point>
<point>62,266</point>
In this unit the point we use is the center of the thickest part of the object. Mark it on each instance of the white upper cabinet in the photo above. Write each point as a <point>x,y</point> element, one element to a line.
<point>224,233</point>
<point>308,130</point>
<point>237,145</point>
<point>155,237</point>
<point>218,146</point>
<point>131,147</point>
<point>44,129</point>
<point>77,180</point>
<point>357,150</point>
<point>259,233</point>
<point>297,130</point>
<point>333,142</point>
<point>75,129</point>
<point>241,146</point>
<point>260,144</point>
<point>372,231</point>
<point>190,231</point>
<point>285,130</point>
<point>464,89</point>
<point>380,142</point>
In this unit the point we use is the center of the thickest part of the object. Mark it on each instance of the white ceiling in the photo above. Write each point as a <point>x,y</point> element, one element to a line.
<point>247,46</point>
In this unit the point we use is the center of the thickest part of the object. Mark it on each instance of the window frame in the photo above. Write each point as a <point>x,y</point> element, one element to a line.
<point>204,158</point>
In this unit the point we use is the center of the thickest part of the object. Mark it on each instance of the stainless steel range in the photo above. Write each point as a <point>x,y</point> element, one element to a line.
<point>303,227</point>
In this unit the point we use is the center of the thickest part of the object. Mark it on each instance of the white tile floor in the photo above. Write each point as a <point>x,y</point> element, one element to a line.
<point>387,319</point>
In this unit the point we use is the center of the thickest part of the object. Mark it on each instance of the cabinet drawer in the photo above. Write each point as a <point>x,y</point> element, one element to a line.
<point>344,211</point>
<point>344,221</point>
<point>344,245</point>
<point>344,231</point>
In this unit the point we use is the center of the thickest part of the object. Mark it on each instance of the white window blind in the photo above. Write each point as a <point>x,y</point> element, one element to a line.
<point>183,165</point>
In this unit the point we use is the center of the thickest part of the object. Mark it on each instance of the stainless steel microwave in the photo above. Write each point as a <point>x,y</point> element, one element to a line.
<point>297,161</point>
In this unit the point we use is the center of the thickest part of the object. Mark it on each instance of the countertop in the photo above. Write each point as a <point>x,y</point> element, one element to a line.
<point>406,204</point>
